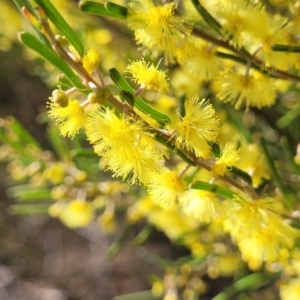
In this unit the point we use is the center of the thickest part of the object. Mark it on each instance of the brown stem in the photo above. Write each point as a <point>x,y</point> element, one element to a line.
<point>246,56</point>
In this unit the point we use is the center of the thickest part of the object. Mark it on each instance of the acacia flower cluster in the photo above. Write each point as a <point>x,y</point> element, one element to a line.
<point>157,27</point>
<point>201,176</point>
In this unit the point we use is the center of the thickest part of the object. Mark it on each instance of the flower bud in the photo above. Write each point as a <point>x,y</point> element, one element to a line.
<point>99,95</point>
<point>62,40</point>
<point>60,97</point>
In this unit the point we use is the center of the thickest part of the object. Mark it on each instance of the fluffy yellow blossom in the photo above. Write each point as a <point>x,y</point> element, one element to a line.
<point>165,188</point>
<point>245,216</point>
<point>258,229</point>
<point>239,19</point>
<point>157,27</point>
<point>291,290</point>
<point>202,205</point>
<point>69,119</point>
<point>198,59</point>
<point>127,148</point>
<point>252,162</point>
<point>172,223</point>
<point>228,158</point>
<point>148,76</point>
<point>91,61</point>
<point>183,85</point>
<point>266,243</point>
<point>244,89</point>
<point>77,213</point>
<point>197,128</point>
<point>273,30</point>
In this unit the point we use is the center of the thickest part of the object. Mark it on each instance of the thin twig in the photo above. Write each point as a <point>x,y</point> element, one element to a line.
<point>242,53</point>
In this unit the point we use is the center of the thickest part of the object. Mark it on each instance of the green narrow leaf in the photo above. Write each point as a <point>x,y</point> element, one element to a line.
<point>122,84</point>
<point>64,81</point>
<point>243,175</point>
<point>275,175</point>
<point>143,295</point>
<point>61,24</point>
<point>116,9</point>
<point>33,43</point>
<point>28,209</point>
<point>285,48</point>
<point>127,97</point>
<point>289,155</point>
<point>15,145</point>
<point>252,281</point>
<point>241,61</point>
<point>23,3</point>
<point>83,153</point>
<point>102,10</point>
<point>205,186</point>
<point>173,148</point>
<point>289,117</point>
<point>209,19</point>
<point>29,193</point>
<point>23,134</point>
<point>143,235</point>
<point>115,247</point>
<point>58,143</point>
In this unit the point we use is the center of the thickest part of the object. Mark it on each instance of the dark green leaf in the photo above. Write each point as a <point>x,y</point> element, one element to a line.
<point>83,153</point>
<point>245,176</point>
<point>110,10</point>
<point>285,48</point>
<point>249,282</point>
<point>33,43</point>
<point>205,186</point>
<point>128,97</point>
<point>116,9</point>
<point>120,81</point>
<point>174,149</point>
<point>209,19</point>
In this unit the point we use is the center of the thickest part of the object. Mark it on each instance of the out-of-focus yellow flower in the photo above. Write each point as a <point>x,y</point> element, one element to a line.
<point>157,288</point>
<point>91,60</point>
<point>55,172</point>
<point>245,89</point>
<point>229,264</point>
<point>291,290</point>
<point>258,229</point>
<point>252,162</point>
<point>162,219</point>
<point>77,213</point>
<point>165,188</point>
<point>240,19</point>
<point>202,205</point>
<point>198,59</point>
<point>107,221</point>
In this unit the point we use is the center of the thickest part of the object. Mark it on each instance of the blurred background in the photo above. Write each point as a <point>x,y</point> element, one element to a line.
<point>41,259</point>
